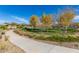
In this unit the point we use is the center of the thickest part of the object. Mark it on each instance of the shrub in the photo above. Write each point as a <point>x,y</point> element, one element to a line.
<point>76,45</point>
<point>3,33</point>
<point>6,38</point>
<point>58,37</point>
<point>0,36</point>
<point>41,37</point>
<point>2,46</point>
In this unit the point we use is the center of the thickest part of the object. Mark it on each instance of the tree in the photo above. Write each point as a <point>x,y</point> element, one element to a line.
<point>43,19</point>
<point>34,20</point>
<point>50,19</point>
<point>66,17</point>
<point>46,20</point>
<point>13,24</point>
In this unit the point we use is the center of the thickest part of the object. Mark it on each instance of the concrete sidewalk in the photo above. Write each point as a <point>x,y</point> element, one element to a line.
<point>32,46</point>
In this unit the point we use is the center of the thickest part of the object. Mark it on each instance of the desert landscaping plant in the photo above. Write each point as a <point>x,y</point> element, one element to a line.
<point>66,18</point>
<point>47,20</point>
<point>2,46</point>
<point>34,20</point>
<point>6,38</point>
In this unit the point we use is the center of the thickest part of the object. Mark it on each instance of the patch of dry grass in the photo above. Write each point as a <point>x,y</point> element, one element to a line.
<point>7,47</point>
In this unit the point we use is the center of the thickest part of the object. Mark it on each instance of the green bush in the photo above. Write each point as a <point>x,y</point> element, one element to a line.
<point>41,37</point>
<point>58,37</point>
<point>42,29</point>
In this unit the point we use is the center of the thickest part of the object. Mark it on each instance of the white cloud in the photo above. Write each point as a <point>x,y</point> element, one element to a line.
<point>76,17</point>
<point>20,19</point>
<point>3,21</point>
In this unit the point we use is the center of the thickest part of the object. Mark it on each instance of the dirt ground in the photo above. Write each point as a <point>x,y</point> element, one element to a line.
<point>74,45</point>
<point>7,47</point>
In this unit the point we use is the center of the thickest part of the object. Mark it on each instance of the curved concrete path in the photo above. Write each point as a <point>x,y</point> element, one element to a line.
<point>32,46</point>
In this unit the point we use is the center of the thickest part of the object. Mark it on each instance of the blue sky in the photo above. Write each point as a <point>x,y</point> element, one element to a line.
<point>22,13</point>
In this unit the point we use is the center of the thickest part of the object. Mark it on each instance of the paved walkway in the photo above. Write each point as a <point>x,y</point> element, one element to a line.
<point>29,45</point>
